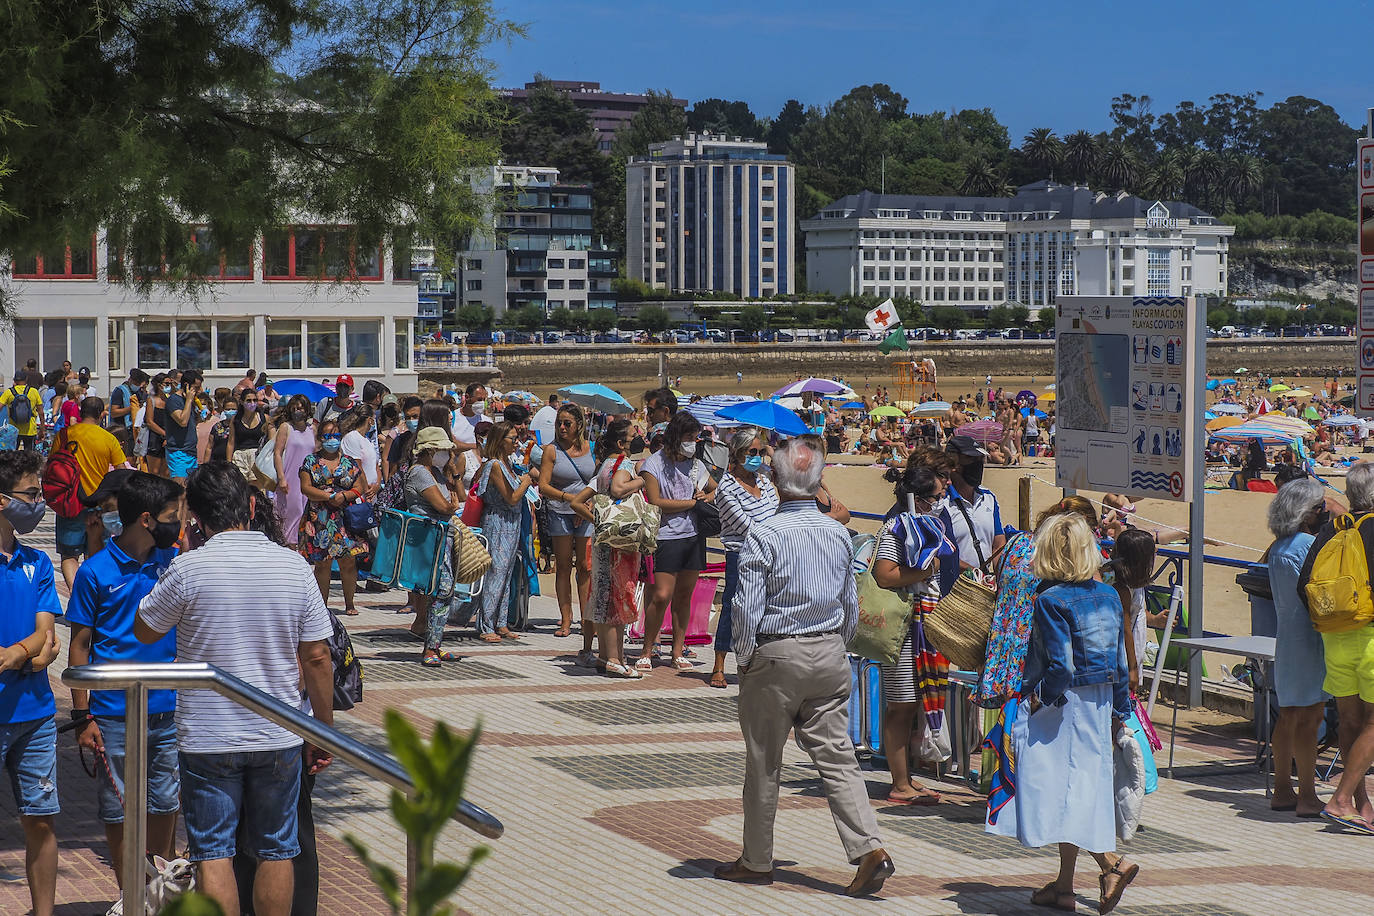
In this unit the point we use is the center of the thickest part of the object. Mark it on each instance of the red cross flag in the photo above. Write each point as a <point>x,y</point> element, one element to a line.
<point>883,318</point>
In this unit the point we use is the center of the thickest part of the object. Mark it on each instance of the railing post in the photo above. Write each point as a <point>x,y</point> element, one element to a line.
<point>135,797</point>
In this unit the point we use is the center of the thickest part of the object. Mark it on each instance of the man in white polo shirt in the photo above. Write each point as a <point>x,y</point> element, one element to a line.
<point>251,608</point>
<point>970,511</point>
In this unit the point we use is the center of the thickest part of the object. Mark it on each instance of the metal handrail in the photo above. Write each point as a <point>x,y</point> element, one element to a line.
<point>136,679</point>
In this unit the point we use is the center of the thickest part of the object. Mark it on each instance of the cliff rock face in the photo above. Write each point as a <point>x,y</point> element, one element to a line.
<point>1260,272</point>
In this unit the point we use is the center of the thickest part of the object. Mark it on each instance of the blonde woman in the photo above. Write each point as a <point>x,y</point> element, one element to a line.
<point>1075,697</point>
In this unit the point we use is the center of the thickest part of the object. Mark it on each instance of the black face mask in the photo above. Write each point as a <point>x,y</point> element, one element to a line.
<point>165,534</point>
<point>972,473</point>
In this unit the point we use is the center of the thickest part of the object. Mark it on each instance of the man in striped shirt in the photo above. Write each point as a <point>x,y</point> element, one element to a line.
<point>795,609</point>
<point>251,608</point>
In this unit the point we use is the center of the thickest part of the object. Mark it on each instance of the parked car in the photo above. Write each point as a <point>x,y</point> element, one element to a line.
<point>785,337</point>
<point>478,338</point>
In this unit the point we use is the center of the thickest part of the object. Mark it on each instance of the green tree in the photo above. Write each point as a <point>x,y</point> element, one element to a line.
<point>804,315</point>
<point>785,126</point>
<point>1044,149</point>
<point>654,319</point>
<point>660,119</point>
<point>601,320</point>
<point>561,318</point>
<point>528,317</point>
<point>948,317</point>
<point>140,117</point>
<point>1019,314</point>
<point>1080,155</point>
<point>1046,317</point>
<point>1119,164</point>
<point>753,318</point>
<point>1311,149</point>
<point>719,116</point>
<point>475,318</point>
<point>981,179</point>
<point>999,316</point>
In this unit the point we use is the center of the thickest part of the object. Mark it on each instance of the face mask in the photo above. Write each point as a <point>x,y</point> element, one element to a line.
<point>331,443</point>
<point>479,408</point>
<point>24,516</point>
<point>230,414</point>
<point>250,407</point>
<point>204,413</point>
<point>972,473</point>
<point>441,460</point>
<point>165,534</point>
<point>113,526</point>
<point>298,416</point>
<point>687,449</point>
<point>166,389</point>
<point>753,464</point>
<point>412,425</point>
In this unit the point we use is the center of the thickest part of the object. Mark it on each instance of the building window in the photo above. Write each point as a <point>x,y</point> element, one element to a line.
<point>577,284</point>
<point>362,342</point>
<point>1157,271</point>
<point>555,284</point>
<point>474,285</point>
<point>474,264</point>
<point>232,340</point>
<point>193,344</point>
<point>114,346</point>
<point>555,263</point>
<point>220,263</point>
<point>577,264</point>
<point>317,253</point>
<point>402,343</point>
<point>322,344</point>
<point>283,345</point>
<point>155,345</point>
<point>52,340</point>
<point>63,262</point>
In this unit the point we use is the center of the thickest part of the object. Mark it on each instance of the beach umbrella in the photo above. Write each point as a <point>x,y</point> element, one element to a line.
<point>1342,419</point>
<point>1311,413</point>
<point>1347,401</point>
<point>1051,387</point>
<point>1208,415</point>
<point>1212,384</point>
<point>1049,396</point>
<point>1039,414</point>
<point>1283,421</point>
<point>930,409</point>
<point>1025,393</point>
<point>887,410</point>
<point>813,385</point>
<point>853,405</point>
<point>1279,386</point>
<point>765,415</point>
<point>290,387</point>
<point>1220,423</point>
<point>982,431</point>
<point>1242,370</point>
<point>1228,381</point>
<point>676,393</point>
<point>705,409</point>
<point>528,398</point>
<point>1299,393</point>
<point>596,397</point>
<point>1256,429</point>
<point>1230,409</point>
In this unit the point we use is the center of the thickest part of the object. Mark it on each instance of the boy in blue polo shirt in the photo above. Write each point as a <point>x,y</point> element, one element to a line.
<point>28,644</point>
<point>101,611</point>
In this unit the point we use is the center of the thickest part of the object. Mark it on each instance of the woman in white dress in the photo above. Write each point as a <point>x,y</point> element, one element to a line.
<point>1075,696</point>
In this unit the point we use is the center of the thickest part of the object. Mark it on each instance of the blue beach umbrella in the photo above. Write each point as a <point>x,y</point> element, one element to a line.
<point>596,397</point>
<point>765,415</point>
<point>290,387</point>
<point>1039,414</point>
<point>1213,384</point>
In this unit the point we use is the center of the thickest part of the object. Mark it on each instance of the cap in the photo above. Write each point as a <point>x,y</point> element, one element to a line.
<point>432,437</point>
<point>344,379</point>
<point>389,398</point>
<point>110,485</point>
<point>965,446</point>
<point>21,376</point>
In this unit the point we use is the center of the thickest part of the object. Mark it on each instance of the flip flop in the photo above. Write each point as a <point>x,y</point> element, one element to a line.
<point>450,657</point>
<point>490,637</point>
<point>718,680</point>
<point>922,799</point>
<point>1352,822</point>
<point>430,661</point>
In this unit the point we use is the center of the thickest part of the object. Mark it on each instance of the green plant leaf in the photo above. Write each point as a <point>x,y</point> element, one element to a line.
<point>384,876</point>
<point>193,904</point>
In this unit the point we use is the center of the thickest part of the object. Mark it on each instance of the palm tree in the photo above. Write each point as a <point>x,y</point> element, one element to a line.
<point>1204,173</point>
<point>1244,175</point>
<point>981,179</point>
<point>1119,164</point>
<point>1044,149</point>
<point>1080,155</point>
<point>1165,177</point>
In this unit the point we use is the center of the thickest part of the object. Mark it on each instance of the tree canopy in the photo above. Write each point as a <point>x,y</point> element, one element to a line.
<point>241,115</point>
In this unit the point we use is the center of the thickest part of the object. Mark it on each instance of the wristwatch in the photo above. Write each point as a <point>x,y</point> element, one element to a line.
<point>81,715</point>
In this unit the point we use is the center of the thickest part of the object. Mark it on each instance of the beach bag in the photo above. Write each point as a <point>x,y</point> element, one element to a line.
<point>630,524</point>
<point>62,480</point>
<point>960,625</point>
<point>264,463</point>
<point>471,559</point>
<point>1338,591</point>
<point>244,459</point>
<point>1147,753</point>
<point>935,746</point>
<point>348,671</point>
<point>884,619</point>
<point>359,517</point>
<point>705,513</point>
<point>473,505</point>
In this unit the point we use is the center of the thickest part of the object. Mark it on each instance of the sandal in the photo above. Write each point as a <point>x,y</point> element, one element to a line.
<point>450,657</point>
<point>562,632</point>
<point>1107,902</point>
<point>924,797</point>
<point>350,612</point>
<point>490,637</point>
<point>718,680</point>
<point>616,669</point>
<point>682,664</point>
<point>507,634</point>
<point>644,663</point>
<point>1049,896</point>
<point>430,659</point>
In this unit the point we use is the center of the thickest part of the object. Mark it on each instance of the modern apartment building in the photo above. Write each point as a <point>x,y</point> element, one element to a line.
<point>609,111</point>
<point>1046,241</point>
<point>709,213</point>
<point>273,307</point>
<point>535,246</point>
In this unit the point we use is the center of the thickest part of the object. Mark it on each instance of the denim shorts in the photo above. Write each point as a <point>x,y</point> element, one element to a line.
<point>262,785</point>
<point>164,781</point>
<point>180,464</point>
<point>561,525</point>
<point>71,535</point>
<point>29,750</point>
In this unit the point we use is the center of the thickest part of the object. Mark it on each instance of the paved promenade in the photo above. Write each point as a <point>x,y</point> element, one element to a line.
<point>620,795</point>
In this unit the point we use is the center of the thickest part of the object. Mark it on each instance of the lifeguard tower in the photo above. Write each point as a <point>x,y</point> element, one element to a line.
<point>915,381</point>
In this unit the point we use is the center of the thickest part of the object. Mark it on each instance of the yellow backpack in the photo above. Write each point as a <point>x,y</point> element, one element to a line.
<point>1339,597</point>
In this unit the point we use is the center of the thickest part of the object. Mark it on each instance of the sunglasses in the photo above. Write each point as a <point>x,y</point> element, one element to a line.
<point>755,452</point>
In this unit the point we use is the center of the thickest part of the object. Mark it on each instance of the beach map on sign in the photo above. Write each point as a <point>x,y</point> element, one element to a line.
<point>1094,380</point>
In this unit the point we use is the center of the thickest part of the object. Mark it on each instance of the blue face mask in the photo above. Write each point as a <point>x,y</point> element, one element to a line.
<point>331,443</point>
<point>412,425</point>
<point>231,413</point>
<point>753,464</point>
<point>113,526</point>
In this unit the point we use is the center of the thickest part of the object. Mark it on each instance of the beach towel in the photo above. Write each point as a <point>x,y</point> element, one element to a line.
<point>998,741</point>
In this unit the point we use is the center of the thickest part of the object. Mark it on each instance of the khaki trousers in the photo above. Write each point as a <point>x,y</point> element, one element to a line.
<point>801,685</point>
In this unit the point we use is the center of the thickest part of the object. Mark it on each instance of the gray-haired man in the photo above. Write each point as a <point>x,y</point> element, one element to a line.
<point>795,608</point>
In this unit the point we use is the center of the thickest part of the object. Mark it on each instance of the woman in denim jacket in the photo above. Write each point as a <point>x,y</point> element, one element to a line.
<point>1075,696</point>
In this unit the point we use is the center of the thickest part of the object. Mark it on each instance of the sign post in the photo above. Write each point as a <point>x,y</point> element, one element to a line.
<point>1364,321</point>
<point>1131,372</point>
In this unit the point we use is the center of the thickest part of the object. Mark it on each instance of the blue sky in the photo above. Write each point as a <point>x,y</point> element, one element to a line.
<point>1034,64</point>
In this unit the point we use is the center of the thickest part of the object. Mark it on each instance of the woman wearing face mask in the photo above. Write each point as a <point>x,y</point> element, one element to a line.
<point>745,495</point>
<point>675,482</point>
<point>566,469</point>
<point>501,492</point>
<point>330,480</point>
<point>390,424</point>
<point>248,429</point>
<point>155,418</point>
<point>427,493</point>
<point>215,444</point>
<point>295,441</point>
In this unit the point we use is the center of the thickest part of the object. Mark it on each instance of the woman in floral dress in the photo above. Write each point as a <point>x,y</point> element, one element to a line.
<point>329,481</point>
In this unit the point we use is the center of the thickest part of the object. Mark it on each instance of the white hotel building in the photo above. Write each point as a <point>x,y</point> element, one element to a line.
<point>266,310</point>
<point>1046,241</point>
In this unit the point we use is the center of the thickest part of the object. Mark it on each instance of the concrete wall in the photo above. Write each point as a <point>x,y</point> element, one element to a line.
<point>527,366</point>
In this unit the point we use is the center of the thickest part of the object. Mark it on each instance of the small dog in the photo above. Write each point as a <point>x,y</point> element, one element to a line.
<point>167,880</point>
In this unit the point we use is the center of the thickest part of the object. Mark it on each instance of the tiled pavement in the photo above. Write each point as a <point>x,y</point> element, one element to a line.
<point>623,794</point>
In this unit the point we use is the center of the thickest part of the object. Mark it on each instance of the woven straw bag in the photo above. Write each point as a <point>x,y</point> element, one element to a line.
<point>470,559</point>
<point>960,625</point>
